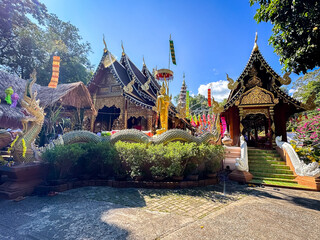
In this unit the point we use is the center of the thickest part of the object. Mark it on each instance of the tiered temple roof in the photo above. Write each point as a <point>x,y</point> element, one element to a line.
<point>138,87</point>
<point>264,76</point>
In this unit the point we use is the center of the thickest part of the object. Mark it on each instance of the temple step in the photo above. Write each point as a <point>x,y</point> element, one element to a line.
<point>266,162</point>
<point>272,175</point>
<point>267,168</point>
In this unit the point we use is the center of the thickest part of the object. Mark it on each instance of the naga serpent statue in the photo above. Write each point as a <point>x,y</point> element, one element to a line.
<point>25,151</point>
<point>22,150</point>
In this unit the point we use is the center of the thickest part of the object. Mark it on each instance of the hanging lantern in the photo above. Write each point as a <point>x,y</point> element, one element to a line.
<point>55,72</point>
<point>209,97</point>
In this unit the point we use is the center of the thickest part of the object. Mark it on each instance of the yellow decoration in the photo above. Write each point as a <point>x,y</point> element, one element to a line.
<point>163,102</point>
<point>24,147</point>
<point>12,144</point>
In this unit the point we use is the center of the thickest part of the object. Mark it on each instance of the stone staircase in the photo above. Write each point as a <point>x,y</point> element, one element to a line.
<point>268,168</point>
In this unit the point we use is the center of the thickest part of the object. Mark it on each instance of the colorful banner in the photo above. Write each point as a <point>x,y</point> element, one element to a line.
<point>204,119</point>
<point>195,119</point>
<point>209,120</point>
<point>55,72</point>
<point>187,104</point>
<point>209,97</point>
<point>192,121</point>
<point>173,56</point>
<point>224,125</point>
<point>199,119</point>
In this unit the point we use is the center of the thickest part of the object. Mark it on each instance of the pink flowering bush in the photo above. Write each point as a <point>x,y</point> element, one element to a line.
<point>307,128</point>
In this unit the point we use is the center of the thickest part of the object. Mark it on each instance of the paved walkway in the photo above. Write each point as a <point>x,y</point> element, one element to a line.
<point>200,213</point>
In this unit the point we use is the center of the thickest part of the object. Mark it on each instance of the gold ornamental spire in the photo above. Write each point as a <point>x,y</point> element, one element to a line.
<point>255,47</point>
<point>144,63</point>
<point>105,45</point>
<point>122,48</point>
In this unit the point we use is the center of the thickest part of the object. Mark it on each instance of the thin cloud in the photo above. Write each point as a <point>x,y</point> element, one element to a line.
<point>219,90</point>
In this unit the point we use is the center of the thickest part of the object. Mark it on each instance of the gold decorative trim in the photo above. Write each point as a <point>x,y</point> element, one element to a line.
<point>257,95</point>
<point>248,111</point>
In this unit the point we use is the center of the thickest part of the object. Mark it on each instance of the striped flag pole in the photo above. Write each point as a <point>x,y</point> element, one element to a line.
<point>187,104</point>
<point>173,56</point>
<point>55,72</point>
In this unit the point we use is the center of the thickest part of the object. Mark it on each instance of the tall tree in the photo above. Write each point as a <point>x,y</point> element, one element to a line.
<point>26,44</point>
<point>308,84</point>
<point>296,31</point>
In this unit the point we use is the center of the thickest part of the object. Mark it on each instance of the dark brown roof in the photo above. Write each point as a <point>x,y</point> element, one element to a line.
<point>72,94</point>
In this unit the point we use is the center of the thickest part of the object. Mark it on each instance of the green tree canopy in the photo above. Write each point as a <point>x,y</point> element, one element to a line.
<point>31,43</point>
<point>296,31</point>
<point>306,85</point>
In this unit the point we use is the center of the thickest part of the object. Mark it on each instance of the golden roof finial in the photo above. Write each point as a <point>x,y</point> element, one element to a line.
<point>255,47</point>
<point>143,60</point>
<point>105,45</point>
<point>122,48</point>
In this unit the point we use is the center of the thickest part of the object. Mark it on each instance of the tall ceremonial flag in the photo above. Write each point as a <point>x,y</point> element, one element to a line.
<point>187,105</point>
<point>209,97</point>
<point>204,119</point>
<point>55,72</point>
<point>173,56</point>
<point>195,119</point>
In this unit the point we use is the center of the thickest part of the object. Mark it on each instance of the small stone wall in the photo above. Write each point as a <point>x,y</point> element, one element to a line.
<point>42,189</point>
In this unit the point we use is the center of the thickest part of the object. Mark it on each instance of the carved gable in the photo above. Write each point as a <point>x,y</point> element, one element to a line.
<point>257,96</point>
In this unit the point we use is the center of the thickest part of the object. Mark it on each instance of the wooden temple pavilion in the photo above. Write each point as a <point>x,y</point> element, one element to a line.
<point>71,96</point>
<point>124,96</point>
<point>257,104</point>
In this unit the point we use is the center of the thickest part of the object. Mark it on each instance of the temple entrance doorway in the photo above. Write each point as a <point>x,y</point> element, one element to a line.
<point>257,131</point>
<point>139,123</point>
<point>106,117</point>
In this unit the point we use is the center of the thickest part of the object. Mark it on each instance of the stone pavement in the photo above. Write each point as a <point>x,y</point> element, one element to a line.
<point>200,213</point>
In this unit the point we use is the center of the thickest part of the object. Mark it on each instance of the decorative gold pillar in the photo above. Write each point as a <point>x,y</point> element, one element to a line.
<point>241,117</point>
<point>272,127</point>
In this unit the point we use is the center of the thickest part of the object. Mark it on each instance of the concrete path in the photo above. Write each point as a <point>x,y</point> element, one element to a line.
<point>200,213</point>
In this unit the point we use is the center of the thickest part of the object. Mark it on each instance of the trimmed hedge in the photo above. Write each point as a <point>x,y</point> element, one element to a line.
<point>132,159</point>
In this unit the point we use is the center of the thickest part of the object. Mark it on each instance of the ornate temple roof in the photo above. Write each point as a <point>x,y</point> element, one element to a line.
<point>128,76</point>
<point>258,72</point>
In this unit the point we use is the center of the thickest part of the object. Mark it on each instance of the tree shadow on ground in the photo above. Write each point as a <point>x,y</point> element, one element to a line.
<point>289,195</point>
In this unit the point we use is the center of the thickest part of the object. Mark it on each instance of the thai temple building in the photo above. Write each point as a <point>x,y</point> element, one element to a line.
<point>257,104</point>
<point>124,96</point>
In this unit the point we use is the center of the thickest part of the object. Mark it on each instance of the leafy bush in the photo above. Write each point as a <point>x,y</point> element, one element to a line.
<point>157,160</point>
<point>173,159</point>
<point>132,155</point>
<point>307,133</point>
<point>66,161</point>
<point>211,156</point>
<point>61,159</point>
<point>97,158</point>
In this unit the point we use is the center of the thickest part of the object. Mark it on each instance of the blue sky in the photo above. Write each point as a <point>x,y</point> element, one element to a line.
<point>211,37</point>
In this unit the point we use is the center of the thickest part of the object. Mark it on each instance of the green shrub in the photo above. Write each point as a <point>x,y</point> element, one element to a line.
<point>133,156</point>
<point>92,159</point>
<point>157,160</point>
<point>97,159</point>
<point>61,159</point>
<point>180,154</point>
<point>211,156</point>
